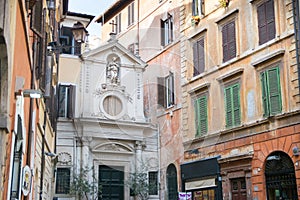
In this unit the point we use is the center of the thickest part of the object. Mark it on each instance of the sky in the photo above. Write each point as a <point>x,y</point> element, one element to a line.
<point>91,7</point>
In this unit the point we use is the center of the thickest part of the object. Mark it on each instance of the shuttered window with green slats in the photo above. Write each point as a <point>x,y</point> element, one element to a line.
<point>271,95</point>
<point>232,105</point>
<point>201,115</point>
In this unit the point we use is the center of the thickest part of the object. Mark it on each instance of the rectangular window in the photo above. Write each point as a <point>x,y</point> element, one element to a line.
<point>198,7</point>
<point>228,41</point>
<point>66,101</point>
<point>167,31</point>
<point>207,194</point>
<point>153,183</point>
<point>198,57</point>
<point>118,23</point>
<point>232,105</point>
<point>62,181</point>
<point>131,14</point>
<point>266,21</point>
<point>200,105</point>
<point>271,95</point>
<point>68,43</point>
<point>165,88</point>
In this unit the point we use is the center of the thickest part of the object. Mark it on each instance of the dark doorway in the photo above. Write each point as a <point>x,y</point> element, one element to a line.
<point>172,182</point>
<point>238,189</point>
<point>280,177</point>
<point>111,180</point>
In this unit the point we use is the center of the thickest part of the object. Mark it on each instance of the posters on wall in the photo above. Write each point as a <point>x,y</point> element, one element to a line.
<point>185,196</point>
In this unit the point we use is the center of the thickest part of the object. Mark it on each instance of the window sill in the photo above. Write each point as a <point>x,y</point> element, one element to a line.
<point>169,110</point>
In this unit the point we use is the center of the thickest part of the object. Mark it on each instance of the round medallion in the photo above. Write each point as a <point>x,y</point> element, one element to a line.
<point>64,158</point>
<point>112,105</point>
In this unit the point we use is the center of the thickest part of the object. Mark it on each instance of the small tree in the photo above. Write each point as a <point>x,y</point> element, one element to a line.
<point>83,187</point>
<point>138,183</point>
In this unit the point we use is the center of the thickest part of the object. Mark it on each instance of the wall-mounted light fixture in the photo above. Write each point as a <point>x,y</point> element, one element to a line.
<point>50,154</point>
<point>34,94</point>
<point>295,151</point>
<point>31,93</point>
<point>79,32</point>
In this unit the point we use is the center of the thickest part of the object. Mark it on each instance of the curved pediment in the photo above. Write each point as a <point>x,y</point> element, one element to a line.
<point>113,147</point>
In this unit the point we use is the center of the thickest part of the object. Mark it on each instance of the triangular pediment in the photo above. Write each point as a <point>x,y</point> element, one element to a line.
<point>100,53</point>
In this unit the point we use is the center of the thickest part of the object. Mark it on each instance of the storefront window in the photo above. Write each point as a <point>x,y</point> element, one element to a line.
<point>204,194</point>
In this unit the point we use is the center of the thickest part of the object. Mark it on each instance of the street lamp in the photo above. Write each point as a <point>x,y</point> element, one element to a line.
<point>79,32</point>
<point>79,35</point>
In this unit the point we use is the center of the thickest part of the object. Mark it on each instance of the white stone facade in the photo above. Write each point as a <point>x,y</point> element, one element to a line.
<point>108,127</point>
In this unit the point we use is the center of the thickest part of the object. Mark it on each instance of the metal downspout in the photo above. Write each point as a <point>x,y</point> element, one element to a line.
<point>43,155</point>
<point>296,15</point>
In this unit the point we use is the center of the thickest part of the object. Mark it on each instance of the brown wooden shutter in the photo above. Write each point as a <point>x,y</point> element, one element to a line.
<point>201,55</point>
<point>170,29</point>
<point>71,101</point>
<point>161,91</point>
<point>225,42</point>
<point>266,21</point>
<point>270,19</point>
<point>162,33</point>
<point>262,28</point>
<point>229,41</point>
<point>36,18</point>
<point>198,56</point>
<point>195,58</point>
<point>172,99</point>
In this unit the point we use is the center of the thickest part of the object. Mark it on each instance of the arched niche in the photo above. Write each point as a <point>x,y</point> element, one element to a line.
<point>113,69</point>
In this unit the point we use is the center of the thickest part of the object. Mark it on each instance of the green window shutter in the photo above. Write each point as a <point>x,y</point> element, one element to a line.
<point>236,104</point>
<point>274,90</point>
<point>228,106</point>
<point>265,95</point>
<point>232,105</point>
<point>201,115</point>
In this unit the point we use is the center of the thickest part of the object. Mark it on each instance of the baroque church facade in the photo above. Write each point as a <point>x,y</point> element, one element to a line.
<point>101,124</point>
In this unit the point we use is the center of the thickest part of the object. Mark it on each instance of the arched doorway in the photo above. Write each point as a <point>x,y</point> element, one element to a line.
<point>280,177</point>
<point>172,182</point>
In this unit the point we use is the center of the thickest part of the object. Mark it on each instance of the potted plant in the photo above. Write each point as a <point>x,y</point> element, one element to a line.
<point>195,19</point>
<point>224,3</point>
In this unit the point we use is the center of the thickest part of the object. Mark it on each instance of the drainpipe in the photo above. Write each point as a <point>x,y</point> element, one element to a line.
<point>43,155</point>
<point>296,15</point>
<point>30,128</point>
<point>159,157</point>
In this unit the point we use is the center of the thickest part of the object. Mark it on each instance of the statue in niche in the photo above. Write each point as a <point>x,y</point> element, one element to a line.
<point>113,71</point>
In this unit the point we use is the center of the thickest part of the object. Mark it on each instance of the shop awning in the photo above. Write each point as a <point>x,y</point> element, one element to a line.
<point>200,184</point>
